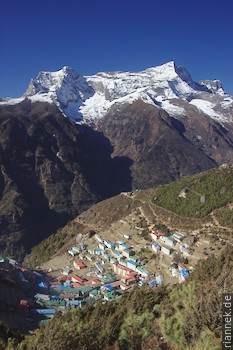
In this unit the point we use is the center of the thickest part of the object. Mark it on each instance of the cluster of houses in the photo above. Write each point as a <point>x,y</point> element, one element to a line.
<point>102,273</point>
<point>166,244</point>
<point>170,245</point>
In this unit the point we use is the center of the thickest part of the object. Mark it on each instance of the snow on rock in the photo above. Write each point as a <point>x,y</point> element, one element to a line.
<point>11,101</point>
<point>170,87</point>
<point>207,108</point>
<point>66,88</point>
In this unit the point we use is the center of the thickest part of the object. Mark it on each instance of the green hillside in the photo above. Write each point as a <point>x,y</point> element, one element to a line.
<point>198,195</point>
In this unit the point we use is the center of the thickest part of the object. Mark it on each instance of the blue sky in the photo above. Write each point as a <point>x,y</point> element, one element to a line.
<point>99,35</point>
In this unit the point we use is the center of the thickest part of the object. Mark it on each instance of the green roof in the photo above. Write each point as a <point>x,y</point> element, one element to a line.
<point>94,292</point>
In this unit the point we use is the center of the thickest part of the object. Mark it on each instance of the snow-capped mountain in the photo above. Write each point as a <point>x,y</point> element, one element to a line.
<point>168,86</point>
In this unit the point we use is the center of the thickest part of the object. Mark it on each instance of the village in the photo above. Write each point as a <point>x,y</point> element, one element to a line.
<point>100,270</point>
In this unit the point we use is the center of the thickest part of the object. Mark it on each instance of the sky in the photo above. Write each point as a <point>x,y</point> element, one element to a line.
<point>123,35</point>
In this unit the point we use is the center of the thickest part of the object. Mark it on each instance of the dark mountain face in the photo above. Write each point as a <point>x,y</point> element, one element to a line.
<point>50,171</point>
<point>155,143</point>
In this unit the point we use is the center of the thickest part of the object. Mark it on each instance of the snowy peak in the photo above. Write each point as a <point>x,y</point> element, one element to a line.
<point>213,85</point>
<point>167,86</point>
<point>66,88</point>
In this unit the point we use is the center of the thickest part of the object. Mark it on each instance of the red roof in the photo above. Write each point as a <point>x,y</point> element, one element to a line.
<point>79,263</point>
<point>131,274</point>
<point>64,278</point>
<point>124,268</point>
<point>55,284</point>
<point>91,282</point>
<point>77,279</point>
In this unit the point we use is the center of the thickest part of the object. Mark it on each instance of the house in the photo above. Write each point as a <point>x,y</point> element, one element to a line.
<point>131,281</point>
<point>102,246</point>
<point>94,283</point>
<point>98,238</point>
<point>108,278</point>
<point>116,254</point>
<point>99,267</point>
<point>127,253</point>
<point>89,257</point>
<point>40,296</point>
<point>66,271</point>
<point>94,293</point>
<point>109,296</point>
<point>76,285</point>
<point>121,270</point>
<point>75,249</point>
<point>159,278</point>
<point>189,241</point>
<point>104,260</point>
<point>109,244</point>
<point>159,233</point>
<point>178,237</point>
<point>62,279</point>
<point>152,284</point>
<point>166,250</point>
<point>144,273</point>
<point>71,252</point>
<point>186,251</point>
<point>156,247</point>
<point>134,258</point>
<point>73,303</point>
<point>154,236</point>
<point>131,265</point>
<point>123,262</point>
<point>174,272</point>
<point>122,246</point>
<point>55,284</point>
<point>108,288</point>
<point>183,275</point>
<point>78,279</point>
<point>170,241</point>
<point>78,264</point>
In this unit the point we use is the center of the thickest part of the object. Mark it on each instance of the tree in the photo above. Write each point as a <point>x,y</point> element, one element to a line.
<point>136,329</point>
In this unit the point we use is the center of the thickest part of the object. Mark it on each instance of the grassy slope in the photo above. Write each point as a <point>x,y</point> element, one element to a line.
<point>216,185</point>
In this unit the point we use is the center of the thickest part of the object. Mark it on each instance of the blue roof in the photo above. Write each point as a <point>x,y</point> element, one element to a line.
<point>152,283</point>
<point>132,262</point>
<point>108,287</point>
<point>184,273</point>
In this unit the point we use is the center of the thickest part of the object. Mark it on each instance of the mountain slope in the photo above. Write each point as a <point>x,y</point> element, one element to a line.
<point>166,206</point>
<point>48,173</point>
<point>160,152</point>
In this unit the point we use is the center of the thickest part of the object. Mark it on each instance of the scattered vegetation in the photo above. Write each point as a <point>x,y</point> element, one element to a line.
<point>44,250</point>
<point>198,195</point>
<point>224,216</point>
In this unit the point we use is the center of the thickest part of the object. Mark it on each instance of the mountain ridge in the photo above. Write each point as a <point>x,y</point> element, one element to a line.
<point>89,98</point>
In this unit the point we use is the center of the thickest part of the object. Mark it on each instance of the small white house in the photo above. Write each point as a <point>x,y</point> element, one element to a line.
<point>98,238</point>
<point>156,247</point>
<point>153,236</point>
<point>166,250</point>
